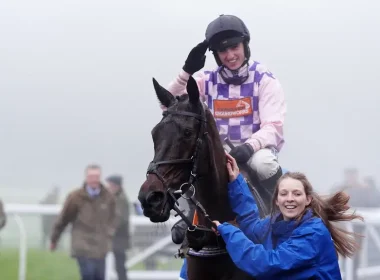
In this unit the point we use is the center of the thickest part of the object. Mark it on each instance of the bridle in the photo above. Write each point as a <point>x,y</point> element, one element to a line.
<point>174,195</point>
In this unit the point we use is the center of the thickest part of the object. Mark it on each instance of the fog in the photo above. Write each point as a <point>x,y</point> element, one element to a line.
<point>76,83</point>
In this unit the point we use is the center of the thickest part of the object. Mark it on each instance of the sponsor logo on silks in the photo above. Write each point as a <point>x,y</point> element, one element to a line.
<point>233,108</point>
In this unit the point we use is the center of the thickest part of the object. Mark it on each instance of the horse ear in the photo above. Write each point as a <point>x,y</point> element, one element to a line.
<point>163,95</point>
<point>192,90</point>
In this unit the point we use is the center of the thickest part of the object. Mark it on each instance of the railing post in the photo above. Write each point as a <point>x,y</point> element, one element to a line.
<point>110,264</point>
<point>349,263</point>
<point>23,249</point>
<point>364,249</point>
<point>158,245</point>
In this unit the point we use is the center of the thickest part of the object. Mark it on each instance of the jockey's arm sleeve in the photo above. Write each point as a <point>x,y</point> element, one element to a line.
<point>68,214</point>
<point>244,206</point>
<point>272,110</point>
<point>299,250</point>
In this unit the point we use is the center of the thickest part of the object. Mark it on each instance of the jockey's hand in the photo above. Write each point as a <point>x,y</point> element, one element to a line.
<point>196,58</point>
<point>242,153</point>
<point>232,167</point>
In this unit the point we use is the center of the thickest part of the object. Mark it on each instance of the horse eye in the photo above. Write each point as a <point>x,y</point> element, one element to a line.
<point>188,133</point>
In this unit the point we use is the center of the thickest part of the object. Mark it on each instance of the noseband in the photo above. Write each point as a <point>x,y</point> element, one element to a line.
<point>188,186</point>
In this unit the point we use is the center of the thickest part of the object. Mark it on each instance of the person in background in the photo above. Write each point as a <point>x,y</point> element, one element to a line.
<point>91,211</point>
<point>373,192</point>
<point>121,240</point>
<point>362,191</point>
<point>3,215</point>
<point>138,209</point>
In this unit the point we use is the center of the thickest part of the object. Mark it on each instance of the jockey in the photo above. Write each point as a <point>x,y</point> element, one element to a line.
<point>247,101</point>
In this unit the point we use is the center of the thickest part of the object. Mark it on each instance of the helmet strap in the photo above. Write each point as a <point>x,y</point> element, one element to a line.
<point>217,59</point>
<point>247,51</point>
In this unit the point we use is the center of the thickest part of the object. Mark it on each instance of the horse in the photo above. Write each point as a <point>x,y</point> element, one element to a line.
<point>189,161</point>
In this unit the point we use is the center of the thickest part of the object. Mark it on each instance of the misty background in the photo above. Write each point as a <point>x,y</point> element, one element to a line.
<point>76,84</point>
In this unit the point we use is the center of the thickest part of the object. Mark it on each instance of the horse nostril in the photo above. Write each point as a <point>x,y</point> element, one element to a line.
<point>155,198</point>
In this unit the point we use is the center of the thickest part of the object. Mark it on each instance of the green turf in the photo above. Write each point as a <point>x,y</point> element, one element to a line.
<point>41,265</point>
<point>45,265</point>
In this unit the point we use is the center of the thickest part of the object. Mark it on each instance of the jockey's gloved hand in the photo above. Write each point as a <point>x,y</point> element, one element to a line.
<point>242,153</point>
<point>196,58</point>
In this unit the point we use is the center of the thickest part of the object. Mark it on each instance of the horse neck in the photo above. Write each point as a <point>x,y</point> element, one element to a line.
<point>213,188</point>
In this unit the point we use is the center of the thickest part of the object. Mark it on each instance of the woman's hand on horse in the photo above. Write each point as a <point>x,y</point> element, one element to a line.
<point>216,224</point>
<point>232,167</point>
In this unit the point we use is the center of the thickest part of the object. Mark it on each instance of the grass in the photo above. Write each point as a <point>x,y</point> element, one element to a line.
<point>41,265</point>
<point>45,265</point>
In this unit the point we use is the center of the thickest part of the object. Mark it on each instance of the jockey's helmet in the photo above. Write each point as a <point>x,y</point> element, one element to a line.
<point>226,31</point>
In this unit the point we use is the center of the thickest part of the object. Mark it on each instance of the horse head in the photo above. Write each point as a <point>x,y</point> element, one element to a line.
<point>188,156</point>
<point>189,160</point>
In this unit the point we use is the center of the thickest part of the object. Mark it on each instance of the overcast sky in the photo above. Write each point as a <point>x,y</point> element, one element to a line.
<point>76,82</point>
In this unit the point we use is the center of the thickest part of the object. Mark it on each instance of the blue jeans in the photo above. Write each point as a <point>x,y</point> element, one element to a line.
<point>91,269</point>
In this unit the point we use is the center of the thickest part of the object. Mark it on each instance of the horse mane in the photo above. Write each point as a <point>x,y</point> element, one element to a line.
<point>216,152</point>
<point>218,192</point>
<point>219,168</point>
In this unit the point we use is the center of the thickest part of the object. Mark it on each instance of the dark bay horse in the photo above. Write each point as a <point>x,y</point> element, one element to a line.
<point>189,158</point>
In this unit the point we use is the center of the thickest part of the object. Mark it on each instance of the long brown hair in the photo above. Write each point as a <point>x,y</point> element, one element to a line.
<point>330,209</point>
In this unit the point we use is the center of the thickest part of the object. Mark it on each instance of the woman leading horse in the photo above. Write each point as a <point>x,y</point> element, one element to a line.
<point>297,241</point>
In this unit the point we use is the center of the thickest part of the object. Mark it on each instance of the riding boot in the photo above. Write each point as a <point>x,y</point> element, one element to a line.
<point>179,228</point>
<point>268,186</point>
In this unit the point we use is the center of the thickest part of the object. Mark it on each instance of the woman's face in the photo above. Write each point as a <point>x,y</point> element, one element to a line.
<point>232,57</point>
<point>292,199</point>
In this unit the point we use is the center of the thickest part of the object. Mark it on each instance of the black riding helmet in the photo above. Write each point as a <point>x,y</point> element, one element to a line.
<point>226,31</point>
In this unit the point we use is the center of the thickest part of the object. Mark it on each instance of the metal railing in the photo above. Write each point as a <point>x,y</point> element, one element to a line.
<point>372,219</point>
<point>16,210</point>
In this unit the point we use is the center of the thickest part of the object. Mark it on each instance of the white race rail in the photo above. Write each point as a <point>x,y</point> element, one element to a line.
<point>371,219</point>
<point>16,210</point>
<point>371,216</point>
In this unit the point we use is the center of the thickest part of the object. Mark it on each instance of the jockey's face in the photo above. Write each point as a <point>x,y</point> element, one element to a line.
<point>291,198</point>
<point>232,57</point>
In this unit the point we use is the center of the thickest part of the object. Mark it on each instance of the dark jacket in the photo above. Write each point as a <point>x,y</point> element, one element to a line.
<point>93,221</point>
<point>121,240</point>
<point>3,216</point>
